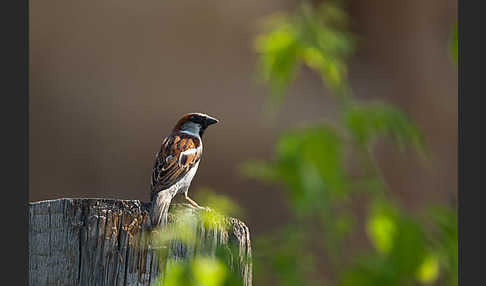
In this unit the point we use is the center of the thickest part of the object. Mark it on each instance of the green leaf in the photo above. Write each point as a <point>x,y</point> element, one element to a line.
<point>369,122</point>
<point>278,50</point>
<point>317,38</point>
<point>402,253</point>
<point>309,162</point>
<point>381,229</point>
<point>222,205</point>
<point>179,274</point>
<point>209,271</point>
<point>445,241</point>
<point>428,271</point>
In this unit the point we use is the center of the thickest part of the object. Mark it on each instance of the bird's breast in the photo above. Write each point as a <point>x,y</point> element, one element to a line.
<point>185,182</point>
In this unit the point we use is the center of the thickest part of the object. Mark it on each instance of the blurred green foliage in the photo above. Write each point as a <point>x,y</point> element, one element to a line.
<point>315,247</point>
<point>202,271</point>
<point>219,203</point>
<point>206,268</point>
<point>368,122</point>
<point>314,37</point>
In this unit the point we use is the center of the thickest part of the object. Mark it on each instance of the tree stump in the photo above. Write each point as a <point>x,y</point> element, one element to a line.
<point>101,242</point>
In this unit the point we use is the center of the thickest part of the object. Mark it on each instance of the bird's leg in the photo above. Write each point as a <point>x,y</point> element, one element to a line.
<point>192,201</point>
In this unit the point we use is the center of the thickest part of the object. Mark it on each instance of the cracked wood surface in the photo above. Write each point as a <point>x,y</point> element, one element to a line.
<point>99,242</point>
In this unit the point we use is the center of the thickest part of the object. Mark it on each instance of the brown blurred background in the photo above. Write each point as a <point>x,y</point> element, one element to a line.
<point>108,80</point>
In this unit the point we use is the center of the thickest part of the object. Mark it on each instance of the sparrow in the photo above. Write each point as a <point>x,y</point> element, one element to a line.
<point>176,164</point>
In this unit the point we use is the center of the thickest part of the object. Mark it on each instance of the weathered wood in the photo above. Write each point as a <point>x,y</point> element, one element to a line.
<point>102,242</point>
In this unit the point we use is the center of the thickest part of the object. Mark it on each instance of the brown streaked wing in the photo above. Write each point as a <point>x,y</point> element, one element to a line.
<point>179,153</point>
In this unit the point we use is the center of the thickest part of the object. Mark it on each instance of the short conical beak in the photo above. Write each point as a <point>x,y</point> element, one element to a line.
<point>211,120</point>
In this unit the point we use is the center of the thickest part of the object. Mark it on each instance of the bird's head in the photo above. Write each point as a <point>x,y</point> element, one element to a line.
<point>195,123</point>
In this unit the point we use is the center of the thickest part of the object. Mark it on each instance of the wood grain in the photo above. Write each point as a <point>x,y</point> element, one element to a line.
<point>102,242</point>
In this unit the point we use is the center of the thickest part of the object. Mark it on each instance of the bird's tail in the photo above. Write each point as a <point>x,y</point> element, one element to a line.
<point>160,207</point>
